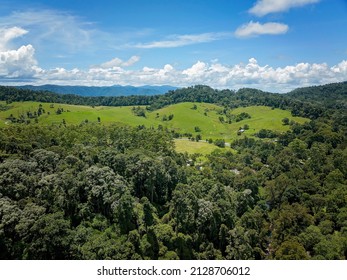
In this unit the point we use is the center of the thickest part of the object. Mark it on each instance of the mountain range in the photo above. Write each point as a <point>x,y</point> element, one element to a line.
<point>116,90</point>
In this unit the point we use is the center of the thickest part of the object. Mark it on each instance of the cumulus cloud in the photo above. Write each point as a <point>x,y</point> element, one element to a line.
<point>252,29</point>
<point>16,63</point>
<point>8,34</point>
<point>20,64</point>
<point>250,74</point>
<point>117,62</point>
<point>340,68</point>
<point>264,7</point>
<point>196,70</point>
<point>175,41</point>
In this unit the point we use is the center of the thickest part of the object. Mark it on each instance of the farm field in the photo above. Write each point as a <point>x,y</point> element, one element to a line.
<point>192,147</point>
<point>187,119</point>
<point>73,114</point>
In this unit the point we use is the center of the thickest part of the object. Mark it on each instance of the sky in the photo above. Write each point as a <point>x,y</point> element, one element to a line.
<point>273,45</point>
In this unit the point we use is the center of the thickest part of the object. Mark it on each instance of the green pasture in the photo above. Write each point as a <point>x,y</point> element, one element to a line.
<point>74,114</point>
<point>263,117</point>
<point>186,117</point>
<point>192,147</point>
<point>206,117</point>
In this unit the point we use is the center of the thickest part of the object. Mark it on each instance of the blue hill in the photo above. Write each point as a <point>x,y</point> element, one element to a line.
<point>115,90</point>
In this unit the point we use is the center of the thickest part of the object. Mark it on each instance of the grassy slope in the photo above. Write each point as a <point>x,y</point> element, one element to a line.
<point>76,114</point>
<point>191,147</point>
<point>264,118</point>
<point>184,121</point>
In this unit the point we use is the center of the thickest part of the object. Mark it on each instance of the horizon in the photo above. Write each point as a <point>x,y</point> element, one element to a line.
<point>252,44</point>
<point>160,86</point>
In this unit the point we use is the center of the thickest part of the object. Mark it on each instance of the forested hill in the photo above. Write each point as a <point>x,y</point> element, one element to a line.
<point>330,95</point>
<point>311,102</point>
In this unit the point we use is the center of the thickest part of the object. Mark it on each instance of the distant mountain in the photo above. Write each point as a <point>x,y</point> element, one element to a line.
<point>115,90</point>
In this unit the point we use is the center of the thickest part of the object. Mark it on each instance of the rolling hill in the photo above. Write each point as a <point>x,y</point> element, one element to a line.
<point>83,179</point>
<point>187,119</point>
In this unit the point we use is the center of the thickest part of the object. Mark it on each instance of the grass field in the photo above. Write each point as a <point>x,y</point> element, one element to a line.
<point>191,147</point>
<point>74,114</point>
<point>265,118</point>
<point>185,119</point>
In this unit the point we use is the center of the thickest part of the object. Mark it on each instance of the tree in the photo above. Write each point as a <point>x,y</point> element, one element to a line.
<point>184,203</point>
<point>291,221</point>
<point>310,237</point>
<point>50,238</point>
<point>285,121</point>
<point>299,148</point>
<point>183,244</point>
<point>205,220</point>
<point>139,111</point>
<point>332,247</point>
<point>223,235</point>
<point>102,188</point>
<point>124,213</point>
<point>219,143</point>
<point>10,214</point>
<point>147,212</point>
<point>291,250</point>
<point>239,247</point>
<point>150,245</point>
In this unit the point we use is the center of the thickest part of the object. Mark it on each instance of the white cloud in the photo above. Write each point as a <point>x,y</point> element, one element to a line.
<point>117,62</point>
<point>196,70</point>
<point>264,7</point>
<point>18,63</point>
<point>252,29</point>
<point>217,75</point>
<point>59,34</point>
<point>8,34</point>
<point>52,29</point>
<point>175,41</point>
<point>340,68</point>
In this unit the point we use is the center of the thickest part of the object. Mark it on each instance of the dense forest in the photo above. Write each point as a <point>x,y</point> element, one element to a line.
<point>113,192</point>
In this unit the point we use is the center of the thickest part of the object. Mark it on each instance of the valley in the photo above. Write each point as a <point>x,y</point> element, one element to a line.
<point>196,173</point>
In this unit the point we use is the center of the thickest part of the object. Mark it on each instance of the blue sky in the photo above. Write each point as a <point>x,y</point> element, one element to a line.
<point>274,45</point>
